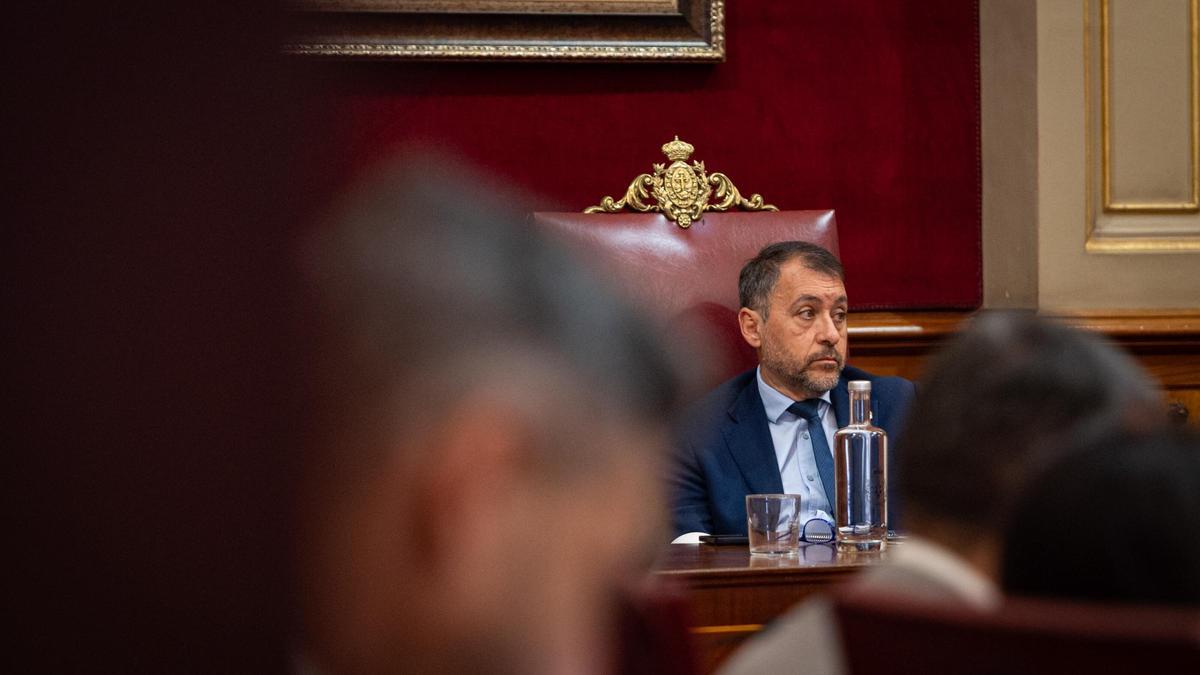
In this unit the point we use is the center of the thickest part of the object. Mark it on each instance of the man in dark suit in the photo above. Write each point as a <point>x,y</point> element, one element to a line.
<point>770,430</point>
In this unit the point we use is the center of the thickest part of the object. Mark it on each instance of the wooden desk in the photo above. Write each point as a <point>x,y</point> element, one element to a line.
<point>733,594</point>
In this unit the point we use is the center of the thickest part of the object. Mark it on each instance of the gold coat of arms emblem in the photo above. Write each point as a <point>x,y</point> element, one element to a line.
<point>681,191</point>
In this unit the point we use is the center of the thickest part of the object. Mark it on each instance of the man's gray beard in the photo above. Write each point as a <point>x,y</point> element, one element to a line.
<point>798,379</point>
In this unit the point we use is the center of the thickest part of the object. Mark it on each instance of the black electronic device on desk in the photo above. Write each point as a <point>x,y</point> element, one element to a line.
<point>725,539</point>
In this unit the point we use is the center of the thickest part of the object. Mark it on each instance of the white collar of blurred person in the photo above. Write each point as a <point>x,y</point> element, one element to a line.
<point>958,576</point>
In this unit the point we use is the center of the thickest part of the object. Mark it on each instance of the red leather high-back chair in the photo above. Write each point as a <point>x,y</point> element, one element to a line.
<point>894,635</point>
<point>682,263</point>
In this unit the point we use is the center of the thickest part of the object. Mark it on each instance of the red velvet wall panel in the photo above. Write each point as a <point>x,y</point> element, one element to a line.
<point>868,107</point>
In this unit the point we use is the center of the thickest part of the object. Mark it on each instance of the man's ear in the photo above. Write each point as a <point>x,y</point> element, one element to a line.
<point>750,324</point>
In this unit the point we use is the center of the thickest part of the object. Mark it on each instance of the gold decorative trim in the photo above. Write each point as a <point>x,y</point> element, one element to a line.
<point>1100,244</point>
<point>1106,115</point>
<point>719,630</point>
<point>680,191</point>
<point>1089,220</point>
<point>527,48</point>
<point>1157,245</point>
<point>524,7</point>
<point>553,52</point>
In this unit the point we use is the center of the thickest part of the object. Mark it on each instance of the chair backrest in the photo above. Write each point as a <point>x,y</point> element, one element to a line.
<point>688,277</point>
<point>882,635</point>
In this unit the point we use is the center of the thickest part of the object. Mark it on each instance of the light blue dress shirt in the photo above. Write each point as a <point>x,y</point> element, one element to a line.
<point>794,451</point>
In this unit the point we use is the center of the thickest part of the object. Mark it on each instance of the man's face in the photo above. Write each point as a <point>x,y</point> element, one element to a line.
<point>802,341</point>
<point>557,574</point>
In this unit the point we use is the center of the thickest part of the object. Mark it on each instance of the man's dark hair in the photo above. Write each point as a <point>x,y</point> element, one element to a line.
<point>1112,523</point>
<point>759,276</point>
<point>1002,400</point>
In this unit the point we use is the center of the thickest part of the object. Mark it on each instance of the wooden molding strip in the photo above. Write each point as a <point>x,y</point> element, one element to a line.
<point>925,328</point>
<point>1176,323</point>
<point>904,325</point>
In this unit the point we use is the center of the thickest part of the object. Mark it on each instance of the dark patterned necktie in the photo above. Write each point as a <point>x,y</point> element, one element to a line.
<point>810,411</point>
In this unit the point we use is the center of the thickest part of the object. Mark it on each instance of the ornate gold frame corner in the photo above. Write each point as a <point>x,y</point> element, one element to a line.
<point>680,191</point>
<point>491,30</point>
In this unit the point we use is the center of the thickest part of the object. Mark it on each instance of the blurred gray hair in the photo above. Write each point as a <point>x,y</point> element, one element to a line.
<point>427,281</point>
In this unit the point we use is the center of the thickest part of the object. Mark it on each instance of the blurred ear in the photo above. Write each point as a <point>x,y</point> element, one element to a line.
<point>477,462</point>
<point>750,323</point>
<point>635,514</point>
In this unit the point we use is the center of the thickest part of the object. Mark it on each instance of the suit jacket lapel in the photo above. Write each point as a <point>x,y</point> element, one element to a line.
<point>749,441</point>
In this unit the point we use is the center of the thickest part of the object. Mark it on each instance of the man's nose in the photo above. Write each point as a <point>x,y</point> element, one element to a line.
<point>828,331</point>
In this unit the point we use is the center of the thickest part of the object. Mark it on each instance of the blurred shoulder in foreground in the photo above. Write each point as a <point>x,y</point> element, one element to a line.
<point>1114,523</point>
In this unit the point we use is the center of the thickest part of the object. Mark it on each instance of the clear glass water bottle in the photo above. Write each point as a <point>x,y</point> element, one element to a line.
<point>860,470</point>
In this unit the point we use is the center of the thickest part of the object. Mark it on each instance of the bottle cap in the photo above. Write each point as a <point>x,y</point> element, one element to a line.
<point>859,385</point>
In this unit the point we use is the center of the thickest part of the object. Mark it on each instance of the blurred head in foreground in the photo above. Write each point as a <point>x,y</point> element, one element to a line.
<point>491,419</point>
<point>1114,523</point>
<point>1006,396</point>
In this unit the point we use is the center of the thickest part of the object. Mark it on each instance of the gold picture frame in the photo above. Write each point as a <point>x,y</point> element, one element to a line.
<point>541,30</point>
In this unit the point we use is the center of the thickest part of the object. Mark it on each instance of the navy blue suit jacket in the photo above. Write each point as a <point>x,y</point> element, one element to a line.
<point>725,450</point>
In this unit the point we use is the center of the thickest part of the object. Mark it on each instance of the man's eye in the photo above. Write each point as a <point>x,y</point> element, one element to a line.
<point>807,314</point>
<point>839,317</point>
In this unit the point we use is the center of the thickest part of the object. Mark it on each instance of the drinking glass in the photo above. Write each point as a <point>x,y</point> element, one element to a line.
<point>773,524</point>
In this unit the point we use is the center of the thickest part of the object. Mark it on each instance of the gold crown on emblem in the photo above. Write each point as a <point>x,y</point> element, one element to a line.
<point>677,150</point>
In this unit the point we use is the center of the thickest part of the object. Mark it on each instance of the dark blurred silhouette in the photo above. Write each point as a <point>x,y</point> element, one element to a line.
<point>1114,523</point>
<point>484,462</point>
<point>1007,395</point>
<point>163,162</point>
<point>153,154</point>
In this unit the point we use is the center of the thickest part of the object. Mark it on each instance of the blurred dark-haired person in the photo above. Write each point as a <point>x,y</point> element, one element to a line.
<point>484,470</point>
<point>771,429</point>
<point>1006,395</point>
<point>1114,523</point>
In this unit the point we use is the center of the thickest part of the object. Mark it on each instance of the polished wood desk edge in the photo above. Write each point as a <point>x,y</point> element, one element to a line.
<point>747,578</point>
<point>766,571</point>
<point>701,564</point>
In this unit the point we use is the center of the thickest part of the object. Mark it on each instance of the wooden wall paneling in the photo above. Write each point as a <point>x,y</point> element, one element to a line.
<point>1165,343</point>
<point>897,343</point>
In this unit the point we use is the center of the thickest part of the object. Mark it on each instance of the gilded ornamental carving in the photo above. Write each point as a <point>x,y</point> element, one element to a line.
<point>681,191</point>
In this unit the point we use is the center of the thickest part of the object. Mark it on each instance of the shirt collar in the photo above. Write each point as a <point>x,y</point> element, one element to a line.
<point>776,403</point>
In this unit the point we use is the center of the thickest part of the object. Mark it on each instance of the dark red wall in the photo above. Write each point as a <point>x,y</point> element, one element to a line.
<point>155,401</point>
<point>869,107</point>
